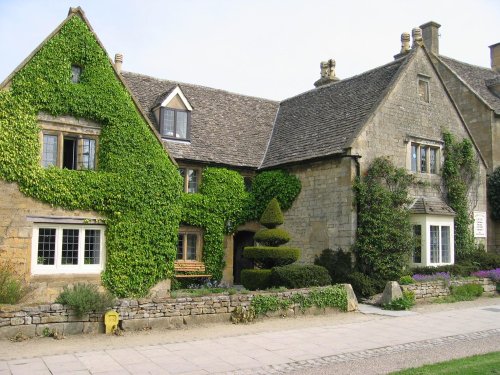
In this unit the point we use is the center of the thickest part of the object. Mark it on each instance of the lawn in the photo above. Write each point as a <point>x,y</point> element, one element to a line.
<point>478,364</point>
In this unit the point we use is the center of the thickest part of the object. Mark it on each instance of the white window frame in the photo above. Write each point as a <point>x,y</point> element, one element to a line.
<point>426,221</point>
<point>57,267</point>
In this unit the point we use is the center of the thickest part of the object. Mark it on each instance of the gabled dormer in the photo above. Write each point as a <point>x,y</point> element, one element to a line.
<point>174,116</point>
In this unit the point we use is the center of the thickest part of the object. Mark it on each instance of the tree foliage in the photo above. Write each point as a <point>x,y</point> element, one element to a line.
<point>494,193</point>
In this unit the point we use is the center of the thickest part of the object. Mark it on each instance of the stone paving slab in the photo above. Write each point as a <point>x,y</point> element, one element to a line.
<point>278,351</point>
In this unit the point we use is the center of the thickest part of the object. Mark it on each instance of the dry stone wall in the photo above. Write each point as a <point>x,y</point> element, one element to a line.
<point>441,288</point>
<point>135,314</point>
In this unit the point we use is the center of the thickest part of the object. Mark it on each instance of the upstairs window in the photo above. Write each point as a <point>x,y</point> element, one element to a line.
<point>76,72</point>
<point>69,151</point>
<point>423,90</point>
<point>174,123</point>
<point>424,158</point>
<point>191,178</point>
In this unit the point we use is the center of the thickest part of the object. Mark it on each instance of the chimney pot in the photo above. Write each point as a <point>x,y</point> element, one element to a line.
<point>327,69</point>
<point>430,35</point>
<point>405,42</point>
<point>495,57</point>
<point>118,62</point>
<point>416,34</point>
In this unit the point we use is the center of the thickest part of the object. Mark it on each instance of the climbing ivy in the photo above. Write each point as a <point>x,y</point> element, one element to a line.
<point>136,187</point>
<point>494,193</point>
<point>460,172</point>
<point>383,240</point>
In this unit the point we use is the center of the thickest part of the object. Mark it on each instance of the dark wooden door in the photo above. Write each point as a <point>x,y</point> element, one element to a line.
<point>241,239</point>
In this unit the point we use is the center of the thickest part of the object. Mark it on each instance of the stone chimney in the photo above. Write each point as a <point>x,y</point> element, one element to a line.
<point>327,73</point>
<point>118,62</point>
<point>495,57</point>
<point>430,34</point>
<point>405,45</point>
<point>416,35</point>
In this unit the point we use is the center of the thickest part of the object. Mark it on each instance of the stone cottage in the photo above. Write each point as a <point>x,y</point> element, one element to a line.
<point>476,92</point>
<point>326,137</point>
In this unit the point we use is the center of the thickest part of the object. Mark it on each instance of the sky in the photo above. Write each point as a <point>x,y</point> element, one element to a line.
<point>265,48</point>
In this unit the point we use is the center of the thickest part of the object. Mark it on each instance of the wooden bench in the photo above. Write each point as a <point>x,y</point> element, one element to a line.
<point>195,269</point>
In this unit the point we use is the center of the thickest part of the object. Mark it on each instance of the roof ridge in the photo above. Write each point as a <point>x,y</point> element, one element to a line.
<point>329,85</point>
<point>200,86</point>
<point>468,64</point>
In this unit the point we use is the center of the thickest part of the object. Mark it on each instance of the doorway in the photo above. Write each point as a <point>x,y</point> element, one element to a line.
<point>241,239</point>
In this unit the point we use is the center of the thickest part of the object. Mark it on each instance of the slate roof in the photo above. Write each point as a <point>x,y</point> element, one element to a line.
<point>431,206</point>
<point>226,128</point>
<point>323,121</point>
<point>477,78</point>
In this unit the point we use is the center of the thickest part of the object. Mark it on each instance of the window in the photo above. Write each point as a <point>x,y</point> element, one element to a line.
<point>70,151</point>
<point>423,90</point>
<point>76,72</point>
<point>191,179</point>
<point>67,249</point>
<point>189,244</point>
<point>174,123</point>
<point>434,240</point>
<point>440,244</point>
<point>424,158</point>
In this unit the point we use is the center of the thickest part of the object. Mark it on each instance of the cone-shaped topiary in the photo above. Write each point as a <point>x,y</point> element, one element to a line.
<point>269,254</point>
<point>272,215</point>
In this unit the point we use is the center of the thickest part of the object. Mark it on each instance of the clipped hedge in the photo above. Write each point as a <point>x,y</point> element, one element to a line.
<point>256,279</point>
<point>272,237</point>
<point>276,255</point>
<point>272,216</point>
<point>300,276</point>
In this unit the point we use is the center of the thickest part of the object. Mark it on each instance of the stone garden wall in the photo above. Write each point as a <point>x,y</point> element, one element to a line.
<point>441,288</point>
<point>136,314</point>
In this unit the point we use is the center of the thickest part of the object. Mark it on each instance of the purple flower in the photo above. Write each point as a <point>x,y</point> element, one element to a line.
<point>491,274</point>
<point>434,276</point>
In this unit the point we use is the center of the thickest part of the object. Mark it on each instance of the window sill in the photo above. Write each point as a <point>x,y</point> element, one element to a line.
<point>180,140</point>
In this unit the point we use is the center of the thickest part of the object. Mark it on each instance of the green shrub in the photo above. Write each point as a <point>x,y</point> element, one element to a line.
<point>405,280</point>
<point>272,216</point>
<point>300,276</point>
<point>12,288</point>
<point>256,279</point>
<point>264,304</point>
<point>365,286</point>
<point>85,298</point>
<point>272,237</point>
<point>467,292</point>
<point>494,193</point>
<point>338,263</point>
<point>270,256</point>
<point>404,303</point>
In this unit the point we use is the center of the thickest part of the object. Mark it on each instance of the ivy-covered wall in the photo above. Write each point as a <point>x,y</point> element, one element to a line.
<point>136,187</point>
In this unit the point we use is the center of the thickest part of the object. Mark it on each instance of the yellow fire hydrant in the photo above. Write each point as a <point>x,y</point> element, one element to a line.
<point>111,319</point>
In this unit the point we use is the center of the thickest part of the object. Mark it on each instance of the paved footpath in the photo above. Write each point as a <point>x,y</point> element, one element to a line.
<point>292,350</point>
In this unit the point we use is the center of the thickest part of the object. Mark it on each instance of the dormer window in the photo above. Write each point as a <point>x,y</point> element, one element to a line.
<point>174,115</point>
<point>174,123</point>
<point>76,72</point>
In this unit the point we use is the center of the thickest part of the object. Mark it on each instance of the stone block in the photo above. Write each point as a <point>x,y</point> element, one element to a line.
<point>166,323</point>
<point>352,301</point>
<point>73,328</point>
<point>93,327</point>
<point>54,319</point>
<point>16,321</point>
<point>10,331</point>
<point>59,327</point>
<point>135,324</point>
<point>194,320</point>
<point>391,292</point>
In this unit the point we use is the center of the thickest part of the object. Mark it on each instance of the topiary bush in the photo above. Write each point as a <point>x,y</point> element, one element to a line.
<point>256,279</point>
<point>338,263</point>
<point>268,254</point>
<point>300,276</point>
